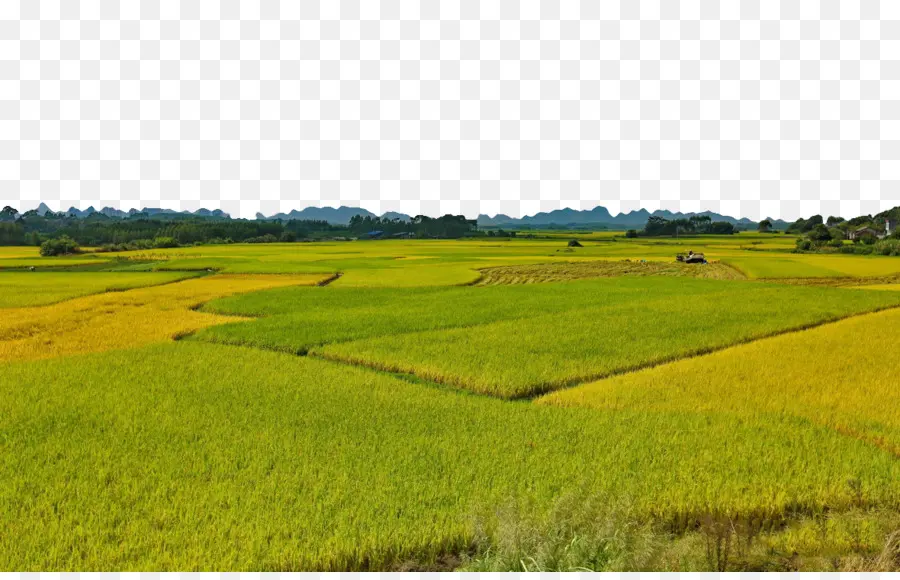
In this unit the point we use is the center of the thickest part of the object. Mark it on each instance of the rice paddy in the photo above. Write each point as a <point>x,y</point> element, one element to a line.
<point>437,404</point>
<point>123,319</point>
<point>22,289</point>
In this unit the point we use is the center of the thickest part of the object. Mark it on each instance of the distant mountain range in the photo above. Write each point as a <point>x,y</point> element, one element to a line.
<point>118,213</point>
<point>601,216</point>
<point>598,217</point>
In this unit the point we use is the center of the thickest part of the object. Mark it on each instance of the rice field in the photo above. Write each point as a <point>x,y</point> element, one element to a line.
<point>22,289</point>
<point>859,399</point>
<point>123,319</point>
<point>215,457</point>
<point>483,404</point>
<point>528,356</point>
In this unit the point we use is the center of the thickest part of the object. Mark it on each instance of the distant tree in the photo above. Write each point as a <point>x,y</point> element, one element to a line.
<point>8,213</point>
<point>11,234</point>
<point>819,233</point>
<point>59,246</point>
<point>764,226</point>
<point>721,228</point>
<point>813,222</point>
<point>658,226</point>
<point>165,242</point>
<point>631,234</point>
<point>833,220</point>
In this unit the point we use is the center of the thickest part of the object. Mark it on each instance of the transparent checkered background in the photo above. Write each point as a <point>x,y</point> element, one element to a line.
<point>750,108</point>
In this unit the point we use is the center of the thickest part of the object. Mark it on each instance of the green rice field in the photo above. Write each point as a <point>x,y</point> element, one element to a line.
<point>477,404</point>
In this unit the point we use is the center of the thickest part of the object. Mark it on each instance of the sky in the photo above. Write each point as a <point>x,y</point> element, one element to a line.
<point>750,109</point>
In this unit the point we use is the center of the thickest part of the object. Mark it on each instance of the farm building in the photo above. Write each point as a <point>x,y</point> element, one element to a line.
<point>373,235</point>
<point>862,232</point>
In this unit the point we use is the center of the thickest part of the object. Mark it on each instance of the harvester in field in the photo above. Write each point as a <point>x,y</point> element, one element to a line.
<point>691,258</point>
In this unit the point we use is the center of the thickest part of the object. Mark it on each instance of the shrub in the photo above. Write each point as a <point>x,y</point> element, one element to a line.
<point>165,242</point>
<point>288,236</point>
<point>59,246</point>
<point>631,234</point>
<point>889,247</point>
<point>266,239</point>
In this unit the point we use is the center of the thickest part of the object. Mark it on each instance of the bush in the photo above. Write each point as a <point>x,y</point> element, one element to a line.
<point>288,236</point>
<point>165,242</point>
<point>631,234</point>
<point>266,239</point>
<point>804,245</point>
<point>889,247</point>
<point>59,247</point>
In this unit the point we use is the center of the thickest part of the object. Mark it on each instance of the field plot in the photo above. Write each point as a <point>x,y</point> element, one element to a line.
<point>297,319</point>
<point>189,455</point>
<point>783,375</point>
<point>537,354</point>
<point>21,289</point>
<point>123,319</point>
<point>564,271</point>
<point>760,265</point>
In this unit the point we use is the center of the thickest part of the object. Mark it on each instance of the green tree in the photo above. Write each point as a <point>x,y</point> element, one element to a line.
<point>819,233</point>
<point>60,246</point>
<point>765,226</point>
<point>8,213</point>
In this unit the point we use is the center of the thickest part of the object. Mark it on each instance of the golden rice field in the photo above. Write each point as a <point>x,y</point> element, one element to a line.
<point>125,319</point>
<point>480,404</point>
<point>783,375</point>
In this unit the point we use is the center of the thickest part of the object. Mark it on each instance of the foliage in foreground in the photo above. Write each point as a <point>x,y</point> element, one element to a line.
<point>591,533</point>
<point>197,456</point>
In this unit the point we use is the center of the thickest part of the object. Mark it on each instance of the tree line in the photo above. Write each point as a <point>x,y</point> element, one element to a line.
<point>698,224</point>
<point>142,231</point>
<point>420,226</point>
<point>112,233</point>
